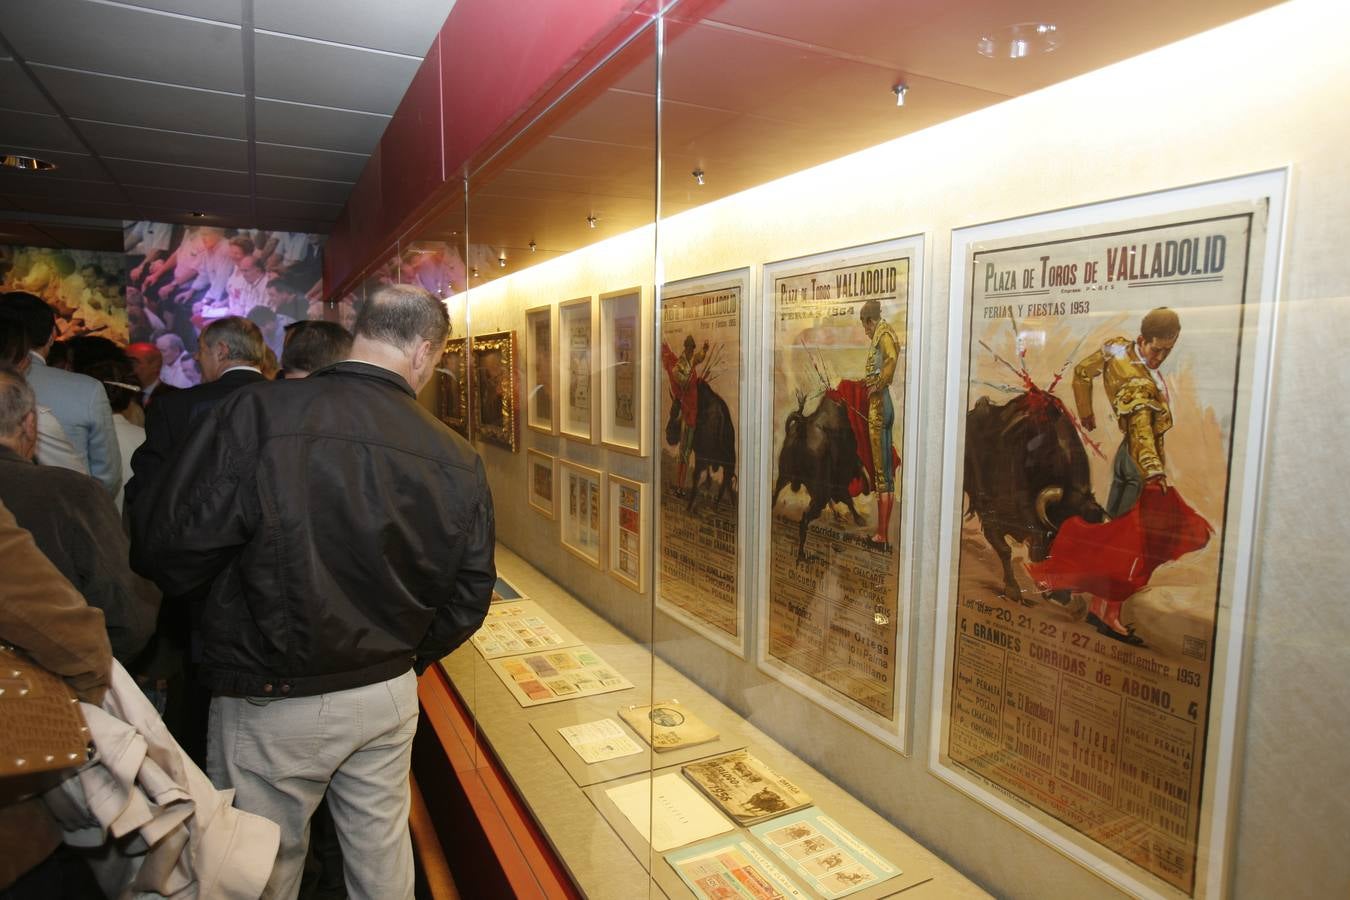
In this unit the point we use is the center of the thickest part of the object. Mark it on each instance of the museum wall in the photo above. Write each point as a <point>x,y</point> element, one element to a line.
<point>1263,93</point>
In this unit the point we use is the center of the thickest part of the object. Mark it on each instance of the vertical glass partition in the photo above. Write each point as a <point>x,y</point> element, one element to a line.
<point>550,264</point>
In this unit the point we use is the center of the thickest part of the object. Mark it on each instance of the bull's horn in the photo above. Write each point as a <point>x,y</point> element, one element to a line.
<point>1052,494</point>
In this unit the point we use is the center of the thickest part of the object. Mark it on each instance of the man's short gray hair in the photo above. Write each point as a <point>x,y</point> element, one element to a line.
<point>242,339</point>
<point>403,315</point>
<point>16,400</point>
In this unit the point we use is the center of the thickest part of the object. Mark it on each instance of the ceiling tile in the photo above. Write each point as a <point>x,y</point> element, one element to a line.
<point>165,146</point>
<point>188,178</point>
<point>407,26</point>
<point>32,130</point>
<point>62,207</point>
<point>300,125</point>
<point>80,166</point>
<point>130,101</point>
<point>310,189</point>
<point>109,239</point>
<point>61,189</point>
<point>300,162</point>
<point>299,209</point>
<point>282,223</point>
<point>230,11</point>
<point>18,92</point>
<point>193,201</point>
<point>330,75</point>
<point>124,40</point>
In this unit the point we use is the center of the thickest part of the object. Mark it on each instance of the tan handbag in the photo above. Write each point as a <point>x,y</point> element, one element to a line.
<point>43,735</point>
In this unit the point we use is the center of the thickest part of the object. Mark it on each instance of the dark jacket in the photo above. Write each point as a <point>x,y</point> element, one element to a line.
<point>169,421</point>
<point>43,614</point>
<point>76,524</point>
<point>346,534</point>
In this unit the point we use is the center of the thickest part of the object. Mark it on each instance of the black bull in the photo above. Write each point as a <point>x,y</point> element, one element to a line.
<point>821,453</point>
<point>1026,473</point>
<point>714,439</point>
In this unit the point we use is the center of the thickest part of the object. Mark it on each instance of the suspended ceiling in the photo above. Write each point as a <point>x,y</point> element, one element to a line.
<point>256,112</point>
<point>757,89</point>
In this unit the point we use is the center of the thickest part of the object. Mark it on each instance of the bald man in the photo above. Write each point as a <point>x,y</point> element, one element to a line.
<point>147,362</point>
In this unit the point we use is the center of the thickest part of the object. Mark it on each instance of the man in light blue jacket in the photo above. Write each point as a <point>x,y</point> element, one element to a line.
<point>78,401</point>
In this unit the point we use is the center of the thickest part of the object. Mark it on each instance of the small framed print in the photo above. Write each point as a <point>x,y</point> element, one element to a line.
<point>622,363</point>
<point>582,512</point>
<point>541,370</point>
<point>494,389</point>
<point>628,531</point>
<point>539,472</point>
<point>576,370</point>
<point>452,386</point>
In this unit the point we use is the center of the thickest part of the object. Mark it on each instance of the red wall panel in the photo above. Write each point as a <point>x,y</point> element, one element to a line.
<point>411,167</point>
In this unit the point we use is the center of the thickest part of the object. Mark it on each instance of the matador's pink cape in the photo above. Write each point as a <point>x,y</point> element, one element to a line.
<point>1115,559</point>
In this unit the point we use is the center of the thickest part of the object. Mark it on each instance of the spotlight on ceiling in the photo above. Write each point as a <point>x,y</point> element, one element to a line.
<point>698,176</point>
<point>501,262</point>
<point>533,246</point>
<point>591,220</point>
<point>900,90</point>
<point>198,215</point>
<point>27,163</point>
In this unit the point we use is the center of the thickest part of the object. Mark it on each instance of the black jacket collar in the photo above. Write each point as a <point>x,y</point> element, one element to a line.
<point>368,370</point>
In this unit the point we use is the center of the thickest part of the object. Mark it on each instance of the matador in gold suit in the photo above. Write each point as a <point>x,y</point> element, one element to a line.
<point>1138,399</point>
<point>882,357</point>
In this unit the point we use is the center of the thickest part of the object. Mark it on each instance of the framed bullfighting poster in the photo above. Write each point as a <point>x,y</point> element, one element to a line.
<point>701,530</point>
<point>1108,372</point>
<point>623,404</point>
<point>576,370</point>
<point>541,370</point>
<point>540,476</point>
<point>628,531</point>
<point>836,522</point>
<point>495,416</point>
<point>452,385</point>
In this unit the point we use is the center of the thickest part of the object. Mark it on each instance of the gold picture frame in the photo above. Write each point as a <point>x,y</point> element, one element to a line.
<point>452,386</point>
<point>494,390</point>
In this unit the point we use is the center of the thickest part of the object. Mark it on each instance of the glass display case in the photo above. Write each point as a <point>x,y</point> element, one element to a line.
<point>878,461</point>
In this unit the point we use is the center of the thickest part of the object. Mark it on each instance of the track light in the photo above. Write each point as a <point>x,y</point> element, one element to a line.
<point>698,176</point>
<point>900,90</point>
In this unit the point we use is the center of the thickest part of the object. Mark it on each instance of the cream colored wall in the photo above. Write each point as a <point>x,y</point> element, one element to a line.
<point>1262,93</point>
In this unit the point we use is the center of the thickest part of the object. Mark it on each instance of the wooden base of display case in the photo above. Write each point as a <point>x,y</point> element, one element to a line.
<point>493,846</point>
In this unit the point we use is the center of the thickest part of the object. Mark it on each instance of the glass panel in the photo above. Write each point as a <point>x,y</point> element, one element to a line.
<point>560,266</point>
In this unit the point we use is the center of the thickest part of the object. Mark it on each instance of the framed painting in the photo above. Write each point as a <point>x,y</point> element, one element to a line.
<point>623,372</point>
<point>582,512</point>
<point>539,475</point>
<point>628,531</point>
<point>452,386</point>
<point>494,392</point>
<point>576,370</point>
<point>541,369</point>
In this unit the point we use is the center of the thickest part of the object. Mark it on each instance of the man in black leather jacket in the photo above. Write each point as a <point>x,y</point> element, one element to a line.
<point>347,539</point>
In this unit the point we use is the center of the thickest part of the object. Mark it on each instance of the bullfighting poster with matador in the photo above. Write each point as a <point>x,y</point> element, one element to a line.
<point>839,383</point>
<point>701,531</point>
<point>1107,372</point>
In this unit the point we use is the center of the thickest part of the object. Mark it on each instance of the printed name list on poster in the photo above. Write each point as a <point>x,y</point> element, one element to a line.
<point>839,376</point>
<point>700,394</point>
<point>1099,427</point>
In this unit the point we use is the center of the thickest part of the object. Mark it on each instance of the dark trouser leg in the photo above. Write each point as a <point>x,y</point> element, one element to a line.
<point>1127,483</point>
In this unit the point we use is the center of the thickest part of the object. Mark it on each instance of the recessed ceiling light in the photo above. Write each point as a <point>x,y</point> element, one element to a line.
<point>1019,41</point>
<point>27,163</point>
